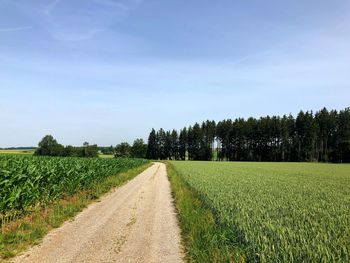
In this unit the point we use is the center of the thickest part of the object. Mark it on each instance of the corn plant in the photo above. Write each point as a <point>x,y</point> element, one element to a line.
<point>26,181</point>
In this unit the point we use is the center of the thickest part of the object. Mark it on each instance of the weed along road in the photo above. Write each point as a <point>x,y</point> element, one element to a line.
<point>135,223</point>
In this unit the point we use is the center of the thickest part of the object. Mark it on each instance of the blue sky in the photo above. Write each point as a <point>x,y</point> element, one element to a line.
<point>107,71</point>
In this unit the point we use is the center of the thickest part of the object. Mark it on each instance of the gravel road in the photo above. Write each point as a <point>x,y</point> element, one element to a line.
<point>135,223</point>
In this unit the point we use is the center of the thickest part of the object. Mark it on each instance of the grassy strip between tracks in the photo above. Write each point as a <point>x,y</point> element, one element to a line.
<point>203,239</point>
<point>18,235</point>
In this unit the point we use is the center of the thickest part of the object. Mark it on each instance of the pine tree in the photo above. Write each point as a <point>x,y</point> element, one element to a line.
<point>152,146</point>
<point>183,144</point>
<point>174,145</point>
<point>324,136</point>
<point>343,136</point>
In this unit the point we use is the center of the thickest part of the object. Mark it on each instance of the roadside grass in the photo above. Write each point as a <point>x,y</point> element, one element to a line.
<point>203,239</point>
<point>18,235</point>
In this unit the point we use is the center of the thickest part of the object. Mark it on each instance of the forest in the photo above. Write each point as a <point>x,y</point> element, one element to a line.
<point>323,136</point>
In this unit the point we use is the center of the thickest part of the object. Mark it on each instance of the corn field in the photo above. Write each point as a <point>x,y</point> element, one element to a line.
<point>27,181</point>
<point>278,212</point>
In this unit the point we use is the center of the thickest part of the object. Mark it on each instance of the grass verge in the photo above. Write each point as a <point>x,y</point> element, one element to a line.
<point>16,236</point>
<point>203,239</point>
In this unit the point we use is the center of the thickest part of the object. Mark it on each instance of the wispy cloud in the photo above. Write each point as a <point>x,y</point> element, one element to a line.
<point>113,4</point>
<point>50,7</point>
<point>65,21</point>
<point>78,36</point>
<point>72,21</point>
<point>12,29</point>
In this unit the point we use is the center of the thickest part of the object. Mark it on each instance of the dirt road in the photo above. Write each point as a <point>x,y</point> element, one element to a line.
<point>135,223</point>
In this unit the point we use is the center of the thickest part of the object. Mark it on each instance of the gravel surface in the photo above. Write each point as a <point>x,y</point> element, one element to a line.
<point>135,223</point>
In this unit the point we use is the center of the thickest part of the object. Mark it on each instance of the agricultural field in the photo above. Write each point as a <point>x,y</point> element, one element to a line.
<point>275,212</point>
<point>106,156</point>
<point>28,180</point>
<point>22,151</point>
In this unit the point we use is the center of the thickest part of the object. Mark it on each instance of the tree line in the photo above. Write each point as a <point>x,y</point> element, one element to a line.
<point>49,146</point>
<point>137,150</point>
<point>323,136</point>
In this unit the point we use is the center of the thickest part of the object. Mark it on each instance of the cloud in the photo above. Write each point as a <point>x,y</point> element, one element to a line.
<point>50,7</point>
<point>70,21</point>
<point>12,29</point>
<point>113,4</point>
<point>83,20</point>
<point>78,36</point>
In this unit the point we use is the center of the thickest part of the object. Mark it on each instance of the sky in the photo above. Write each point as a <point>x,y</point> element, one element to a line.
<point>107,71</point>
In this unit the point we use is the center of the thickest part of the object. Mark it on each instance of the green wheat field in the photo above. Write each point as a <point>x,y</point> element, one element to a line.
<point>277,212</point>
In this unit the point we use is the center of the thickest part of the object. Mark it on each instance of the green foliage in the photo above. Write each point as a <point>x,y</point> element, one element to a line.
<point>88,150</point>
<point>324,137</point>
<point>123,150</point>
<point>139,149</point>
<point>182,144</point>
<point>107,150</point>
<point>48,146</point>
<point>277,212</point>
<point>28,180</point>
<point>152,146</point>
<point>200,140</point>
<point>343,136</point>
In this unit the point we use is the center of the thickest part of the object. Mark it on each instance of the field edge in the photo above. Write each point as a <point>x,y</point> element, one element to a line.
<point>203,240</point>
